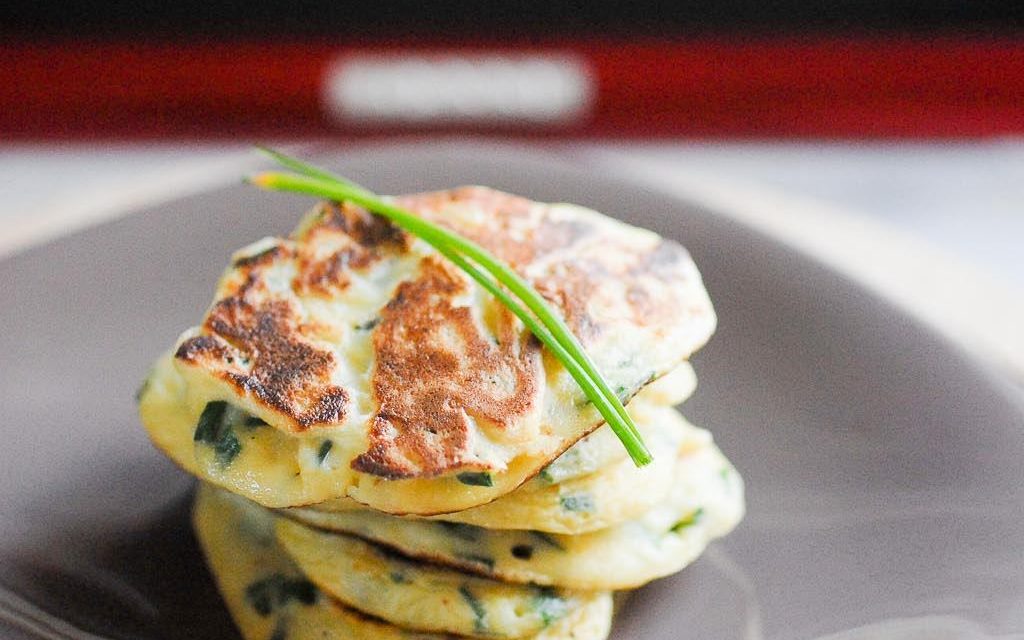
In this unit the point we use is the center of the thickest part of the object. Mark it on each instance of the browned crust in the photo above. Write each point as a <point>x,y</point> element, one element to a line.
<point>364,240</point>
<point>264,257</point>
<point>258,343</point>
<point>257,347</point>
<point>438,373</point>
<point>522,233</point>
<point>516,229</point>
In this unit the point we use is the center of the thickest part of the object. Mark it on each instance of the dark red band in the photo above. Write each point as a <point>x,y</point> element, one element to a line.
<point>841,87</point>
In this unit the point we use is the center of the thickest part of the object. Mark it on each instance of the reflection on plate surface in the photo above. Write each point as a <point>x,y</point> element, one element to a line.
<point>883,467</point>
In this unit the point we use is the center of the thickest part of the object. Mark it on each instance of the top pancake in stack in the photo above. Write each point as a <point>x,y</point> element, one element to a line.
<point>352,362</point>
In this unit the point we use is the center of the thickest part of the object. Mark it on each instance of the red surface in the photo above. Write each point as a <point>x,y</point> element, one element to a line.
<point>770,88</point>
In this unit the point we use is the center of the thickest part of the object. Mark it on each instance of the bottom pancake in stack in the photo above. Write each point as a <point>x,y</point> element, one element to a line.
<point>541,562</point>
<point>271,599</point>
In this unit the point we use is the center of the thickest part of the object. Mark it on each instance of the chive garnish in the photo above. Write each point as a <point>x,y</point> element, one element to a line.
<point>488,271</point>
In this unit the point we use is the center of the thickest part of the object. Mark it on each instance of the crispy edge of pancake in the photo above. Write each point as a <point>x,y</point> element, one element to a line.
<point>598,500</point>
<point>171,423</point>
<point>588,502</point>
<point>706,504</point>
<point>238,543</point>
<point>418,595</point>
<point>602,447</point>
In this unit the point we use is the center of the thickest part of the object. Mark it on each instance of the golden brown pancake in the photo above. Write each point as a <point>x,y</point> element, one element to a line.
<point>706,502</point>
<point>432,395</point>
<point>270,598</point>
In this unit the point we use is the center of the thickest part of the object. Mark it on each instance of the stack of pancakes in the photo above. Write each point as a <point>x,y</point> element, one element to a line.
<point>388,453</point>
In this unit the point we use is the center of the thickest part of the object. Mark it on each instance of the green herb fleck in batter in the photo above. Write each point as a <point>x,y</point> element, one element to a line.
<point>582,503</point>
<point>369,324</point>
<point>549,605</point>
<point>475,478</point>
<point>213,430</point>
<point>690,520</point>
<point>322,452</point>
<point>547,539</point>
<point>465,532</point>
<point>479,612</point>
<point>399,578</point>
<point>275,591</point>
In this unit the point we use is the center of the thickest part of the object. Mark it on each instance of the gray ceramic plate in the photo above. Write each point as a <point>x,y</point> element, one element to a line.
<point>885,468</point>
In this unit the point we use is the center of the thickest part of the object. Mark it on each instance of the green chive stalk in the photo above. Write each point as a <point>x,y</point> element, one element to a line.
<point>488,271</point>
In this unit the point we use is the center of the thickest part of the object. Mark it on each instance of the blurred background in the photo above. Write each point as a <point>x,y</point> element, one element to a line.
<point>901,117</point>
<point>650,68</point>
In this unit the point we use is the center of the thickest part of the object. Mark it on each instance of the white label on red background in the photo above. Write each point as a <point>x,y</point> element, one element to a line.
<point>421,89</point>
